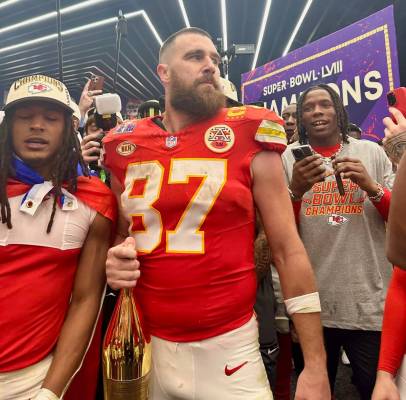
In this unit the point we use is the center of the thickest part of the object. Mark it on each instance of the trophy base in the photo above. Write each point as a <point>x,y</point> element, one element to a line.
<point>135,389</point>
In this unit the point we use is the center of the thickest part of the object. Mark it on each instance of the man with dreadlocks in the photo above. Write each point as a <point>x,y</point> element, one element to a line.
<point>343,234</point>
<point>54,237</point>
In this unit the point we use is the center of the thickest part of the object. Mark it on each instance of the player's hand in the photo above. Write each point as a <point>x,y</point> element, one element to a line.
<point>393,129</point>
<point>90,145</point>
<point>385,388</point>
<point>313,384</point>
<point>394,141</point>
<point>306,173</point>
<point>86,98</point>
<point>122,266</point>
<point>352,168</point>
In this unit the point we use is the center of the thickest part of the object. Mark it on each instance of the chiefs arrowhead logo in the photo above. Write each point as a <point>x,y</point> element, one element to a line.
<point>37,87</point>
<point>335,220</point>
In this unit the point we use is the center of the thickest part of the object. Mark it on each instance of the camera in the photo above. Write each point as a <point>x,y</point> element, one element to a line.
<point>104,116</point>
<point>397,98</point>
<point>301,152</point>
<point>106,108</point>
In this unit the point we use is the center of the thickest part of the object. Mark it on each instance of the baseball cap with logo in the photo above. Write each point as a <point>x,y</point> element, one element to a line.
<point>229,91</point>
<point>38,87</point>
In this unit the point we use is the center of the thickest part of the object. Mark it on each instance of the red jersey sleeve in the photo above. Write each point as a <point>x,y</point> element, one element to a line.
<point>393,344</point>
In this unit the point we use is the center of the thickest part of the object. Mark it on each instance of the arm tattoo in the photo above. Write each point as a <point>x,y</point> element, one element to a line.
<point>395,147</point>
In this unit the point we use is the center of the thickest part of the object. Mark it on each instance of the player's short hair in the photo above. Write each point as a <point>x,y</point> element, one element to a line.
<point>170,40</point>
<point>291,104</point>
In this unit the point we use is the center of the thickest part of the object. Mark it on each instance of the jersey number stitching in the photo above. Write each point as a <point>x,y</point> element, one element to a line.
<point>187,236</point>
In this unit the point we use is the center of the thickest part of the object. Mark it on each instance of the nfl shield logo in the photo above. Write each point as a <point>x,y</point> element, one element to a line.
<point>171,141</point>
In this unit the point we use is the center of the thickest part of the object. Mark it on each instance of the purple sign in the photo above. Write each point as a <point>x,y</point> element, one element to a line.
<point>360,62</point>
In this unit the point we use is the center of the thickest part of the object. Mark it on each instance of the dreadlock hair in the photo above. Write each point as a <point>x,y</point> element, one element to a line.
<point>6,150</point>
<point>342,116</point>
<point>64,165</point>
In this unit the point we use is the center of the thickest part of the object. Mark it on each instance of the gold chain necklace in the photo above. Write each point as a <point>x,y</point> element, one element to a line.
<point>327,160</point>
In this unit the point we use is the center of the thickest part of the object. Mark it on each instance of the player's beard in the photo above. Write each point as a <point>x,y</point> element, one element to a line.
<point>198,101</point>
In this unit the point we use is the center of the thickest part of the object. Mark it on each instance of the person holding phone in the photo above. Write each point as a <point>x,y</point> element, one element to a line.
<point>90,90</point>
<point>343,234</point>
<point>391,378</point>
<point>394,141</point>
<point>395,138</point>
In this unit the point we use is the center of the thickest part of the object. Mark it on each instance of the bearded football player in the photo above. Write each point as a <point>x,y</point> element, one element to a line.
<point>188,183</point>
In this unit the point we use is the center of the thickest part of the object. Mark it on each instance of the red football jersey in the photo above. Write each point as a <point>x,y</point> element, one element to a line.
<point>187,198</point>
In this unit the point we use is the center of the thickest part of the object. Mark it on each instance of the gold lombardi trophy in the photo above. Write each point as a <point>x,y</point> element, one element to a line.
<point>126,353</point>
<point>126,347</point>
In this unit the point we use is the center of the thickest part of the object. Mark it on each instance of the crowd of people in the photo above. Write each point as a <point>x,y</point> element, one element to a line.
<point>209,216</point>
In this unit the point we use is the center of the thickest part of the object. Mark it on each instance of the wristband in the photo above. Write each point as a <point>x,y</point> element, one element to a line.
<point>293,196</point>
<point>308,303</point>
<point>378,197</point>
<point>45,394</point>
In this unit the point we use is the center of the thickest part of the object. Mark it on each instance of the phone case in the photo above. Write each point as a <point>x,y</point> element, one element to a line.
<point>301,152</point>
<point>96,82</point>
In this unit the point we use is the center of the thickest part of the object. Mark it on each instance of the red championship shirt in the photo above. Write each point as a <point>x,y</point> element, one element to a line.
<point>37,270</point>
<point>187,198</point>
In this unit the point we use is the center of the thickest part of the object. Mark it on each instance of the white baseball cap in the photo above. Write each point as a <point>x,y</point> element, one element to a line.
<point>229,90</point>
<point>76,110</point>
<point>38,87</point>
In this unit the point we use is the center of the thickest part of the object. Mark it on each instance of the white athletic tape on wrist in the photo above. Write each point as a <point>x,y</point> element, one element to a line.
<point>308,303</point>
<point>45,394</point>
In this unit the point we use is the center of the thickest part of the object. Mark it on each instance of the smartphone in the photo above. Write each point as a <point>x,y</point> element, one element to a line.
<point>397,98</point>
<point>301,152</point>
<point>96,82</point>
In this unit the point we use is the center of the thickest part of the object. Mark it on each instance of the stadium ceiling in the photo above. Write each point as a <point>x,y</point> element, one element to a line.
<point>28,35</point>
